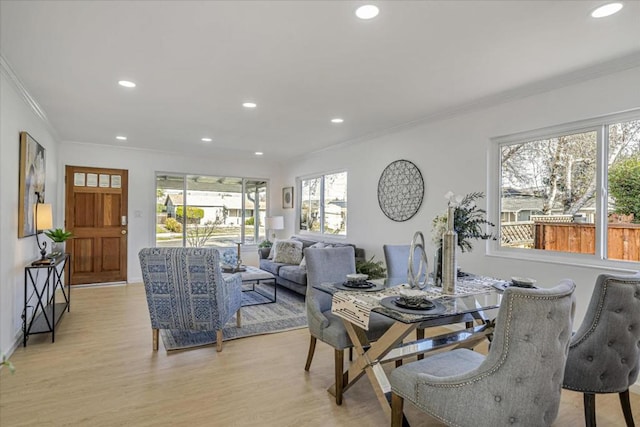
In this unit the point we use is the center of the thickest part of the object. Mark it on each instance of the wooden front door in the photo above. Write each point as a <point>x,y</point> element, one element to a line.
<point>96,214</point>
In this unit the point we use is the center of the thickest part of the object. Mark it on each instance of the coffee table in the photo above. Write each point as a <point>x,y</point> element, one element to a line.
<point>253,278</point>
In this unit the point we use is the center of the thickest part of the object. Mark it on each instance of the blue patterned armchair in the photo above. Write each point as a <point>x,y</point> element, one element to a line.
<point>187,291</point>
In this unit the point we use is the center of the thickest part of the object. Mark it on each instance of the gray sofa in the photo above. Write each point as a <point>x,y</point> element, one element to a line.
<point>293,276</point>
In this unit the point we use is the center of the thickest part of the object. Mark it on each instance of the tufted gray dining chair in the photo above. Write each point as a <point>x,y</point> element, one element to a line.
<point>332,265</point>
<point>186,290</point>
<point>603,354</point>
<point>518,382</point>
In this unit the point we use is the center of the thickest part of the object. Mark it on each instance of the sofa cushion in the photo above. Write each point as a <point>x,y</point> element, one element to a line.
<point>294,273</point>
<point>270,266</point>
<point>288,252</point>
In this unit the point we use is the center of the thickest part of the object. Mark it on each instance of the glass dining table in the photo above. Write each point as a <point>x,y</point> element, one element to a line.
<point>475,296</point>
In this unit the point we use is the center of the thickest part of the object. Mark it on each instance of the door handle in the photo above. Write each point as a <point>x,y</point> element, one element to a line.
<point>123,232</point>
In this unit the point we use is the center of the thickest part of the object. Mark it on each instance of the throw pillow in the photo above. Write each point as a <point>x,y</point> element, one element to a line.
<point>272,252</point>
<point>320,245</point>
<point>288,252</point>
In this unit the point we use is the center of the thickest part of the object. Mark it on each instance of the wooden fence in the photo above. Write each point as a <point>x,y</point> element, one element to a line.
<point>623,241</point>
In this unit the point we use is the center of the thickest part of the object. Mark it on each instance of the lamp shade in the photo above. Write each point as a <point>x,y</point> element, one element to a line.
<point>274,222</point>
<point>44,216</point>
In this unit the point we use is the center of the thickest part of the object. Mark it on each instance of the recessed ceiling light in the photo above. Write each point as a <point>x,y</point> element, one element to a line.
<point>121,138</point>
<point>606,10</point>
<point>207,139</point>
<point>337,120</point>
<point>127,83</point>
<point>368,11</point>
<point>258,153</point>
<point>249,104</point>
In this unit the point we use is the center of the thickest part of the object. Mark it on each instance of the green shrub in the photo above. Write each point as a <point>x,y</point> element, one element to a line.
<point>249,221</point>
<point>192,213</point>
<point>173,225</point>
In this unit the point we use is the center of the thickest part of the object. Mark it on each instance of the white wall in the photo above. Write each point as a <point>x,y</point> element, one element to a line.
<point>16,116</point>
<point>142,166</point>
<point>452,155</point>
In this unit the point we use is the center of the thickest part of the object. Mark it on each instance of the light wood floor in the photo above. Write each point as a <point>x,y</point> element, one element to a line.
<point>101,371</point>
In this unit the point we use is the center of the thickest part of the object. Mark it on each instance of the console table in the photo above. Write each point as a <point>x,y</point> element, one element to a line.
<point>46,313</point>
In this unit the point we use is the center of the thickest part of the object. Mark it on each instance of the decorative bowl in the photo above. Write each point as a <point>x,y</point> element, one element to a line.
<point>412,297</point>
<point>357,277</point>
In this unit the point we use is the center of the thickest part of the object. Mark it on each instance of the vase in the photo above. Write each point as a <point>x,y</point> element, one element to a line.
<point>449,244</point>
<point>57,248</point>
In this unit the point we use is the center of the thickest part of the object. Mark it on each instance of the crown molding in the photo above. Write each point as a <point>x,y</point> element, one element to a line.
<point>7,71</point>
<point>615,65</point>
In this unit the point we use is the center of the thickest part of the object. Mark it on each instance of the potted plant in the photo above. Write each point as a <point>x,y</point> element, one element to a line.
<point>373,269</point>
<point>58,236</point>
<point>265,244</point>
<point>469,221</point>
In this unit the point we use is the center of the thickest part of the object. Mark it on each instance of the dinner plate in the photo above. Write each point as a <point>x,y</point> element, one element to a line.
<point>348,287</point>
<point>358,285</point>
<point>423,304</point>
<point>391,303</point>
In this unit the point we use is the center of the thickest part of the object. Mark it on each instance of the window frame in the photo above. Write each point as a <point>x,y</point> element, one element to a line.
<point>244,180</point>
<point>298,204</point>
<point>600,126</point>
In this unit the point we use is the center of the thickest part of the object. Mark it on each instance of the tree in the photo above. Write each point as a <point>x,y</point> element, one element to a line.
<point>562,170</point>
<point>624,186</point>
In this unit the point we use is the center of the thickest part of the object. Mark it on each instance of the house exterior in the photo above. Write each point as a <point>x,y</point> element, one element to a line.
<point>220,207</point>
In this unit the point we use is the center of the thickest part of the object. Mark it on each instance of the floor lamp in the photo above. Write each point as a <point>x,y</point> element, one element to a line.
<point>274,223</point>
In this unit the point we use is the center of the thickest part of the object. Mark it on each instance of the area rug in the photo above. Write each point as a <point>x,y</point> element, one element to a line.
<point>286,314</point>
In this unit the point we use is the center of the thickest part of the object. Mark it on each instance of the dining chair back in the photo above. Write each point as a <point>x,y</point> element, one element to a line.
<point>604,356</point>
<point>331,265</point>
<point>396,258</point>
<point>518,382</point>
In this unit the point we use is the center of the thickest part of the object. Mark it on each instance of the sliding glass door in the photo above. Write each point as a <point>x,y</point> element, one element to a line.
<point>196,210</point>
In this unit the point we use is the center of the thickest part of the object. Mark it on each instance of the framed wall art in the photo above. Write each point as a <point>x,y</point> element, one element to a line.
<point>32,177</point>
<point>400,190</point>
<point>287,197</point>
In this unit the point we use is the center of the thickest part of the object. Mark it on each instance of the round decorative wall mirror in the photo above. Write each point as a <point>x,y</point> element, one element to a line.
<point>400,190</point>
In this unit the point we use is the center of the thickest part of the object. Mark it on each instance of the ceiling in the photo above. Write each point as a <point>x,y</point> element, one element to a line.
<point>302,62</point>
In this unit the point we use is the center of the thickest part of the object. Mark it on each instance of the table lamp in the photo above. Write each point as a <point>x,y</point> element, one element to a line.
<point>274,223</point>
<point>43,221</point>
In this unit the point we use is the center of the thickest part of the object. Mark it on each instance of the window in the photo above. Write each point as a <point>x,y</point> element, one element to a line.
<point>194,210</point>
<point>549,189</point>
<point>323,204</point>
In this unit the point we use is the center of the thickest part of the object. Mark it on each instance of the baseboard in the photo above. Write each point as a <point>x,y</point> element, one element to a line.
<point>96,285</point>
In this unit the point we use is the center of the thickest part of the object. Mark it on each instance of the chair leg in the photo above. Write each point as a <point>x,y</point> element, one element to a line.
<point>312,349</point>
<point>219,340</point>
<point>589,409</point>
<point>239,318</point>
<point>154,338</point>
<point>339,374</point>
<point>626,408</point>
<point>397,403</point>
